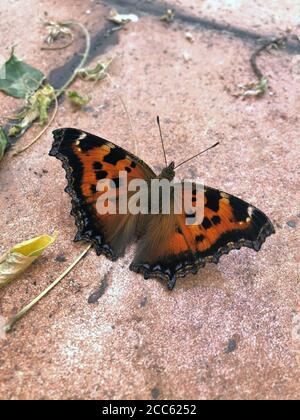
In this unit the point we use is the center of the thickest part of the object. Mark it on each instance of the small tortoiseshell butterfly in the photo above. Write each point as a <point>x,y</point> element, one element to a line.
<point>167,248</point>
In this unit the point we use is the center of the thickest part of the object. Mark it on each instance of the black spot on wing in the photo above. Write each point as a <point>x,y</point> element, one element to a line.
<point>114,156</point>
<point>97,166</point>
<point>91,142</point>
<point>212,199</point>
<point>216,220</point>
<point>239,209</point>
<point>93,189</point>
<point>200,238</point>
<point>101,175</point>
<point>206,223</point>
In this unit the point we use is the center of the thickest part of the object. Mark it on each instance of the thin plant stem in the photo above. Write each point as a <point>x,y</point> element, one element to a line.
<point>84,57</point>
<point>60,47</point>
<point>278,42</point>
<point>12,321</point>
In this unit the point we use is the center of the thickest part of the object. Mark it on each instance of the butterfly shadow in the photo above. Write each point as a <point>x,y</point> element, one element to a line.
<point>208,277</point>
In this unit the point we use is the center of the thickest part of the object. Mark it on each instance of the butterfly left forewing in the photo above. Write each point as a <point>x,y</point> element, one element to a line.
<point>87,160</point>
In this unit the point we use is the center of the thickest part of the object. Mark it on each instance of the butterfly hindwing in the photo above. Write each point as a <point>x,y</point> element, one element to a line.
<point>88,159</point>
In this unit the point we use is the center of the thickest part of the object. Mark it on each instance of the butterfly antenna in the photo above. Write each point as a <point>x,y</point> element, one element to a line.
<point>201,153</point>
<point>162,141</point>
<point>126,111</point>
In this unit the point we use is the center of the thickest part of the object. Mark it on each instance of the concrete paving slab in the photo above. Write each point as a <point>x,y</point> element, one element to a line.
<point>232,331</point>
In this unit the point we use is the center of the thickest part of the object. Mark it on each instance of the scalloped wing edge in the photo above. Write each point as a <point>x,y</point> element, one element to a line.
<point>82,234</point>
<point>266,231</point>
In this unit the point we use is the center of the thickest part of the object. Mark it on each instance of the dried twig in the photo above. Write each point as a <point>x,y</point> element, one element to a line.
<point>9,325</point>
<point>260,87</point>
<point>274,43</point>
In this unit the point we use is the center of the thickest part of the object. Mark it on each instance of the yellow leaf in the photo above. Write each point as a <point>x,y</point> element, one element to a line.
<point>21,256</point>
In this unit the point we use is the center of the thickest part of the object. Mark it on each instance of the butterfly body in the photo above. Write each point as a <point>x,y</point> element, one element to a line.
<point>168,172</point>
<point>167,248</point>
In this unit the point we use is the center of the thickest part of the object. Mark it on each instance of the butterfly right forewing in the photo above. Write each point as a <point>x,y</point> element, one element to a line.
<point>229,223</point>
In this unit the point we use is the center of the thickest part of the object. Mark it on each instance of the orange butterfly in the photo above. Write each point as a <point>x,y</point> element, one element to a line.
<point>168,248</point>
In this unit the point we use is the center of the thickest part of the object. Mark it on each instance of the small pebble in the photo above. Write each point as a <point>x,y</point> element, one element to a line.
<point>186,56</point>
<point>155,393</point>
<point>291,223</point>
<point>189,36</point>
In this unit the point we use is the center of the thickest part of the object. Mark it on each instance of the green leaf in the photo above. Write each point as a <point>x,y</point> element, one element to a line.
<point>21,256</point>
<point>3,142</point>
<point>18,78</point>
<point>78,99</point>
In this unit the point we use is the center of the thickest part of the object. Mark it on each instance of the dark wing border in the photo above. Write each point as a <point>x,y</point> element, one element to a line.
<point>179,266</point>
<point>84,219</point>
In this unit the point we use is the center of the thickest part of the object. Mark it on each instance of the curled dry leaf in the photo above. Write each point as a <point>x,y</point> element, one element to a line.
<point>3,142</point>
<point>115,17</point>
<point>98,72</point>
<point>21,256</point>
<point>254,89</point>
<point>57,30</point>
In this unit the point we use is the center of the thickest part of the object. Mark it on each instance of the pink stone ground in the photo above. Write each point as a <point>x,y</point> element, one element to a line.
<point>232,331</point>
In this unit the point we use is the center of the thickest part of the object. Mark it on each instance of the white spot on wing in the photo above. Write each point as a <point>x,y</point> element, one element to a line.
<point>82,136</point>
<point>250,211</point>
<point>224,195</point>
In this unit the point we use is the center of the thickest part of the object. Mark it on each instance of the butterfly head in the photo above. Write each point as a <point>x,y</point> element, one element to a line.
<point>168,172</point>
